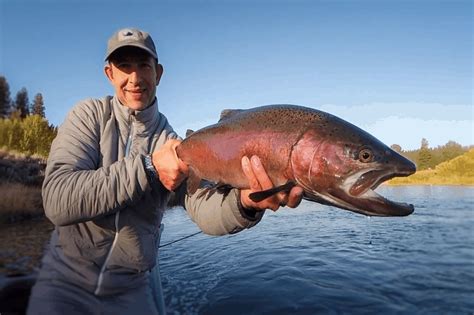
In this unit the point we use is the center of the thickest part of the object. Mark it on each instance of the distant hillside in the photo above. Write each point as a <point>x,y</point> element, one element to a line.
<point>458,171</point>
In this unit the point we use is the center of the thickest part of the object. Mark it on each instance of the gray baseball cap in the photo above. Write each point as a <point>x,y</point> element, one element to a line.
<point>131,37</point>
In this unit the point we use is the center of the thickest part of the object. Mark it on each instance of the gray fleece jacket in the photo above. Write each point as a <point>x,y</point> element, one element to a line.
<point>105,209</point>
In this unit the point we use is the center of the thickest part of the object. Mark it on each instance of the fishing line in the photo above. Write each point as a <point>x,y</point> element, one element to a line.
<point>179,239</point>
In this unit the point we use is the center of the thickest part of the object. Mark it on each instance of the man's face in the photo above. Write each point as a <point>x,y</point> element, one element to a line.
<point>135,75</point>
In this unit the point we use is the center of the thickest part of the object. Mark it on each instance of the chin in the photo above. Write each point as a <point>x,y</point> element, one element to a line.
<point>136,105</point>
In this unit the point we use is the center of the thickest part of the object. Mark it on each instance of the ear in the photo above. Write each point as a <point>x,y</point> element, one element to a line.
<point>108,71</point>
<point>159,73</point>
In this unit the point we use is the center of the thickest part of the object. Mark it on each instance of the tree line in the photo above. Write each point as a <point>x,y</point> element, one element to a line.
<point>20,107</point>
<point>427,158</point>
<point>23,126</point>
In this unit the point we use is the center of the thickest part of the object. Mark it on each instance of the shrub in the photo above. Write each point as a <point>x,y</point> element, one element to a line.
<point>31,135</point>
<point>458,171</point>
<point>19,202</point>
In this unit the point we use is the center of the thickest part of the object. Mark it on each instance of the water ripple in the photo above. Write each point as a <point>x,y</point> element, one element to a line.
<point>318,259</point>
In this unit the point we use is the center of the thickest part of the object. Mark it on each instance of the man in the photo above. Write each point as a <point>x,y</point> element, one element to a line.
<point>111,172</point>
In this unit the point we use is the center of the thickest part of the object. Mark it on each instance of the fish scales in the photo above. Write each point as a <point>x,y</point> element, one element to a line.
<point>334,161</point>
<point>268,133</point>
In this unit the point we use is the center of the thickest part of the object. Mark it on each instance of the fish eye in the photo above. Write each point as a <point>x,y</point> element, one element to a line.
<point>366,155</point>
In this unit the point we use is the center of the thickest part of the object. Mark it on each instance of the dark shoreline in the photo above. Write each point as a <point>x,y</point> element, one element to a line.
<point>24,230</point>
<point>22,245</point>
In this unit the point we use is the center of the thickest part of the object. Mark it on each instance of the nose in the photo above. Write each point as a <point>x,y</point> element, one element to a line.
<point>405,166</point>
<point>400,164</point>
<point>134,76</point>
<point>411,168</point>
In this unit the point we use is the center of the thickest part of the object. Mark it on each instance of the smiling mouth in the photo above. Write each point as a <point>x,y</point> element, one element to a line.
<point>141,91</point>
<point>136,95</point>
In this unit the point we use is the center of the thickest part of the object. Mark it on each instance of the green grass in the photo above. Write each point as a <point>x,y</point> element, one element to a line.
<point>458,171</point>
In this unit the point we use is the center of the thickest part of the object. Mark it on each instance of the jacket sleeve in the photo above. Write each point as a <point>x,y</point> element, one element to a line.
<point>217,213</point>
<point>76,187</point>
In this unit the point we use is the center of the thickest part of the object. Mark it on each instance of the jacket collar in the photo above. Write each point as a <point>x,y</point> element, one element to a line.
<point>144,120</point>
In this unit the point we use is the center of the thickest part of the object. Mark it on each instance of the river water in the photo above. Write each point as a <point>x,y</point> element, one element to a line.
<point>313,259</point>
<point>317,259</point>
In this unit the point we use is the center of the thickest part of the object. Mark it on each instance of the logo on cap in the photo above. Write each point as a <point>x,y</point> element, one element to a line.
<point>128,35</point>
<point>131,37</point>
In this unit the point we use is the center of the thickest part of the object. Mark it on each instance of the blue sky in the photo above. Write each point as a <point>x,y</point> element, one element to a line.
<point>401,70</point>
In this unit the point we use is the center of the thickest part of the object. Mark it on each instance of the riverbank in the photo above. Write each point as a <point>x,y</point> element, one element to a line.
<point>21,178</point>
<point>22,245</point>
<point>24,230</point>
<point>456,172</point>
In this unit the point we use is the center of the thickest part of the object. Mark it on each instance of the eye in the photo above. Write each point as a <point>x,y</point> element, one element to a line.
<point>123,65</point>
<point>366,155</point>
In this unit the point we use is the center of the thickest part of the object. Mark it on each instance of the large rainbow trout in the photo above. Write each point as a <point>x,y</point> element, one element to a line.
<point>335,162</point>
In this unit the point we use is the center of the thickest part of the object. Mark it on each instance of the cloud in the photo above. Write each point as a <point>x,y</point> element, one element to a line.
<point>404,124</point>
<point>408,132</point>
<point>368,113</point>
<point>407,123</point>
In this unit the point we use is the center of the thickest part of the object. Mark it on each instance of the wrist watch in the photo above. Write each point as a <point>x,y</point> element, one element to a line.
<point>150,169</point>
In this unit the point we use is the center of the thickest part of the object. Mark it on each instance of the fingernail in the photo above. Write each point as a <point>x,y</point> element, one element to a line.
<point>245,161</point>
<point>256,161</point>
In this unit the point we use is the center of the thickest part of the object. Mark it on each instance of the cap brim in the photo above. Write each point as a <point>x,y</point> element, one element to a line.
<point>151,52</point>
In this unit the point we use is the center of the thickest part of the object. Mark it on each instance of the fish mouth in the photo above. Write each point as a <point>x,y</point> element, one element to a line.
<point>371,180</point>
<point>361,196</point>
<point>357,194</point>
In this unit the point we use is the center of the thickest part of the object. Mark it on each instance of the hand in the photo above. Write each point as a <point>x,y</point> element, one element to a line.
<point>171,170</point>
<point>259,180</point>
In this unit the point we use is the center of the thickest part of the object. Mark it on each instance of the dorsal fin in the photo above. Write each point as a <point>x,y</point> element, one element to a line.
<point>227,113</point>
<point>189,132</point>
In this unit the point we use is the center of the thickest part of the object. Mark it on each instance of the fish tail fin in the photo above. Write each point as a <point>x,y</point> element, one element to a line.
<point>264,194</point>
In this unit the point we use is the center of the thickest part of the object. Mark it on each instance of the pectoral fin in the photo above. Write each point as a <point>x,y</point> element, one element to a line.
<point>264,194</point>
<point>192,182</point>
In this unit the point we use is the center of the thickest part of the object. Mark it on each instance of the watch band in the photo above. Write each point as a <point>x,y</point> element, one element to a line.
<point>150,169</point>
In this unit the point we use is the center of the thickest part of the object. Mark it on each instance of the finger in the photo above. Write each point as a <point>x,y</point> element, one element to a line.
<point>260,173</point>
<point>295,197</point>
<point>249,173</point>
<point>283,198</point>
<point>173,142</point>
<point>272,202</point>
<point>183,167</point>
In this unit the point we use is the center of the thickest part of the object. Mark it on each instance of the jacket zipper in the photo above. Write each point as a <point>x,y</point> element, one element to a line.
<point>117,216</point>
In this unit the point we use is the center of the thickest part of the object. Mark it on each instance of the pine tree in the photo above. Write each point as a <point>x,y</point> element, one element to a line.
<point>396,147</point>
<point>5,100</point>
<point>451,150</point>
<point>424,156</point>
<point>38,106</point>
<point>424,143</point>
<point>22,103</point>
